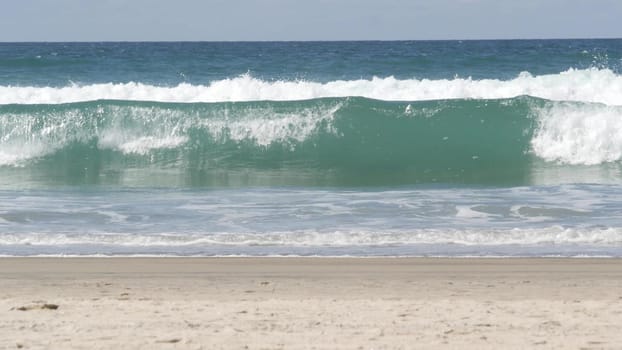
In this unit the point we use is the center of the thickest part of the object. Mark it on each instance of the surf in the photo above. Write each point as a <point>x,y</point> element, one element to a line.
<point>599,85</point>
<point>326,141</point>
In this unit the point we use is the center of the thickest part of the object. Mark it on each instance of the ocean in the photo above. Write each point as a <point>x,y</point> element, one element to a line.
<point>396,148</point>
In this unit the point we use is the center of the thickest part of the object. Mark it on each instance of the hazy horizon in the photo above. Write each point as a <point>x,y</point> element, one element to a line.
<point>323,20</point>
<point>302,41</point>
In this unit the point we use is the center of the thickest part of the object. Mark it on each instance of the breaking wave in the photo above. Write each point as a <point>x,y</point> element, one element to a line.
<point>588,85</point>
<point>326,141</point>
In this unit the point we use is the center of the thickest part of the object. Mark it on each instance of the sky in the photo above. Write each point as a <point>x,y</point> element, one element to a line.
<point>233,20</point>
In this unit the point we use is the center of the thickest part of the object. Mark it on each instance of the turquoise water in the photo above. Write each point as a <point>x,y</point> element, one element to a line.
<point>494,148</point>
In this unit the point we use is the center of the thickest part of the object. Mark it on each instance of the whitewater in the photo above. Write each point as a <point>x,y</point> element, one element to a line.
<point>587,85</point>
<point>482,148</point>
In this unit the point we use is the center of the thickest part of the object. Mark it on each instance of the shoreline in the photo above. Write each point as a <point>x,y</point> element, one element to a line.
<point>92,265</point>
<point>353,257</point>
<point>325,303</point>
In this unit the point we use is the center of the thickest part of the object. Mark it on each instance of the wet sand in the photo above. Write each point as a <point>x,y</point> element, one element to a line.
<point>310,303</point>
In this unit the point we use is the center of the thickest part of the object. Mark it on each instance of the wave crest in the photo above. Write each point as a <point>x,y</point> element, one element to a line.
<point>587,85</point>
<point>578,134</point>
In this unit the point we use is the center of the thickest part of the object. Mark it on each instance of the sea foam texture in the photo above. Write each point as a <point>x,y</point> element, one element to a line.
<point>611,236</point>
<point>140,130</point>
<point>588,85</point>
<point>587,131</point>
<point>586,134</point>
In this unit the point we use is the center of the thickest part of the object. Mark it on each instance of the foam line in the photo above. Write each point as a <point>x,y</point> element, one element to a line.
<point>588,85</point>
<point>611,236</point>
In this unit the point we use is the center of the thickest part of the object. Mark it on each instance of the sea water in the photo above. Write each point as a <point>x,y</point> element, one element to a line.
<point>406,148</point>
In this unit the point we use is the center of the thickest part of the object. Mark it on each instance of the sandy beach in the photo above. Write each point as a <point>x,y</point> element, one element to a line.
<point>309,303</point>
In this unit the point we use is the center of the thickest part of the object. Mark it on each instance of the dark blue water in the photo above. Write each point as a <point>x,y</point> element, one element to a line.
<point>59,64</point>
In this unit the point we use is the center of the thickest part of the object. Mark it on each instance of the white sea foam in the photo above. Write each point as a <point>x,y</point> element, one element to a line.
<point>140,130</point>
<point>566,132</point>
<point>574,133</point>
<point>588,85</point>
<point>141,144</point>
<point>553,235</point>
<point>17,154</point>
<point>266,126</point>
<point>463,211</point>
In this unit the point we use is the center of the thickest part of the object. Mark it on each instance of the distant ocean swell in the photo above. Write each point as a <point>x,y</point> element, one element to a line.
<point>482,132</point>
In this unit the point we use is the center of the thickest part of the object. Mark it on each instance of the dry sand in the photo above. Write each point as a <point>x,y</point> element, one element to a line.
<point>310,303</point>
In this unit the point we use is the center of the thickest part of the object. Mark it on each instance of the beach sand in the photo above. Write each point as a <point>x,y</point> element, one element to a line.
<point>310,303</point>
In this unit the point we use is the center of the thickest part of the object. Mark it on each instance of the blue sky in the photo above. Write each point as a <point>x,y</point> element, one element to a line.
<point>103,20</point>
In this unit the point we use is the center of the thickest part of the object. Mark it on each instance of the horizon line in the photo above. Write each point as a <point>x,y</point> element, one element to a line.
<point>302,41</point>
